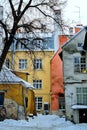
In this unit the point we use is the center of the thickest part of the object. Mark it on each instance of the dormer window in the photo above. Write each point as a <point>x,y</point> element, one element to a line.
<point>79,44</point>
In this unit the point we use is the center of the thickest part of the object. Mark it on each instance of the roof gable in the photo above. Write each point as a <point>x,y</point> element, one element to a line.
<point>75,41</point>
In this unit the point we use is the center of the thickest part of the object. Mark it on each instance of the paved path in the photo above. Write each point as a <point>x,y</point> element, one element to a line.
<point>22,128</point>
<point>33,128</point>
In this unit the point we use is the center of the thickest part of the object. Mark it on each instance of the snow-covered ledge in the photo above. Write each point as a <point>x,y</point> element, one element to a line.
<point>79,107</point>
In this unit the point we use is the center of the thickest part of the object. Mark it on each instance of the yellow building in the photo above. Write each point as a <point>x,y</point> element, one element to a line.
<point>16,95</point>
<point>37,64</point>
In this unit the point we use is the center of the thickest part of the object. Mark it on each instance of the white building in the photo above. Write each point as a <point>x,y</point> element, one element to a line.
<point>75,77</point>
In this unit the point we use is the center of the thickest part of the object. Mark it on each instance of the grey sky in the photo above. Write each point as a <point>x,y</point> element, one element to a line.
<point>76,11</point>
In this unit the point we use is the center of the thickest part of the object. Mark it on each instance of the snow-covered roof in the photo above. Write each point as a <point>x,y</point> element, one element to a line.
<point>73,37</point>
<point>79,107</point>
<point>6,76</point>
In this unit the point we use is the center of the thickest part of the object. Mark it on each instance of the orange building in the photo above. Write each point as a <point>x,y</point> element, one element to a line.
<point>57,90</point>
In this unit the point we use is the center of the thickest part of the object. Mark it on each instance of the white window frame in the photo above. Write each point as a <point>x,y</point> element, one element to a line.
<point>81,95</point>
<point>37,84</point>
<point>80,65</point>
<point>37,64</point>
<point>38,101</point>
<point>22,64</point>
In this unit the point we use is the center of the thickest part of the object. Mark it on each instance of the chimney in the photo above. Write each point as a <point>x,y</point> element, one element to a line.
<point>71,31</point>
<point>57,28</point>
<point>58,18</point>
<point>78,27</point>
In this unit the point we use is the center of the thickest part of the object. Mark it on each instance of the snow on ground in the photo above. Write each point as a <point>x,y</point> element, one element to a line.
<point>41,122</point>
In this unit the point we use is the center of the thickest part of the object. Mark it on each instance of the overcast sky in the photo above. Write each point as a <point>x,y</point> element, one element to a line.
<point>76,11</point>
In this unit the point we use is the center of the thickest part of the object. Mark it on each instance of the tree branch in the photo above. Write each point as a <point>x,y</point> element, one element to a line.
<point>12,8</point>
<point>19,7</point>
<point>24,10</point>
<point>5,30</point>
<point>47,15</point>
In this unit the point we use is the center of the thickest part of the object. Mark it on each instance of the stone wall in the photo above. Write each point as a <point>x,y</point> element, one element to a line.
<point>13,110</point>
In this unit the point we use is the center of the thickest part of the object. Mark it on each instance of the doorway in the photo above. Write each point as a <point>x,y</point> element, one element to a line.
<point>83,116</point>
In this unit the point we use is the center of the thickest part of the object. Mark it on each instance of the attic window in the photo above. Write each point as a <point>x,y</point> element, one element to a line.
<point>79,44</point>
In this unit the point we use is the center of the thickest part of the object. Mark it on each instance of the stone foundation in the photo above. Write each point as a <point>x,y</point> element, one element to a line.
<point>13,110</point>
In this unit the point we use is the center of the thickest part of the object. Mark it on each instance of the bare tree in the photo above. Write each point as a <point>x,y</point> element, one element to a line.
<point>18,14</point>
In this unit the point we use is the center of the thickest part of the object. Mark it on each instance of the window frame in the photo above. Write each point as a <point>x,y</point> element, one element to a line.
<point>37,64</point>
<point>37,84</point>
<point>81,95</point>
<point>80,64</point>
<point>39,103</point>
<point>23,63</point>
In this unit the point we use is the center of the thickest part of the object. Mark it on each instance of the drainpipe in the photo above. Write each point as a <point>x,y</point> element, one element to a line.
<point>13,51</point>
<point>24,102</point>
<point>57,29</point>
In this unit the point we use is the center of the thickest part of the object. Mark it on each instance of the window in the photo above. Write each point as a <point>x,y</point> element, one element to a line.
<point>80,64</point>
<point>20,45</point>
<point>26,102</point>
<point>37,84</point>
<point>79,44</point>
<point>38,101</point>
<point>1,98</point>
<point>7,63</point>
<point>61,101</point>
<point>81,96</point>
<point>22,64</point>
<point>37,63</point>
<point>46,106</point>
